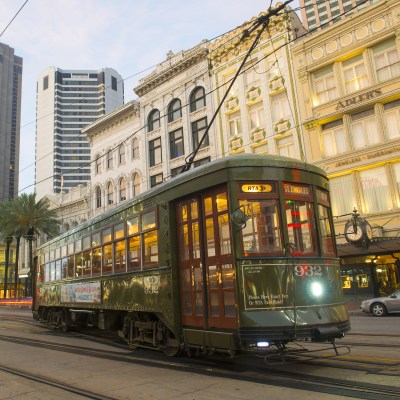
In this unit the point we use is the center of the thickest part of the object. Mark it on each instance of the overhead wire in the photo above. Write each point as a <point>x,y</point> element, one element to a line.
<point>138,73</point>
<point>15,16</point>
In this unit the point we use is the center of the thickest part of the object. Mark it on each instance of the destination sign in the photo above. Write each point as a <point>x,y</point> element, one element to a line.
<point>296,189</point>
<point>256,188</point>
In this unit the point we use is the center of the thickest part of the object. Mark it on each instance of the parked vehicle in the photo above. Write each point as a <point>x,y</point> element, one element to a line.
<point>380,306</point>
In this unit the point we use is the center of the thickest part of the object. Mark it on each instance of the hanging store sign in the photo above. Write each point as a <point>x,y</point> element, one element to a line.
<point>359,99</point>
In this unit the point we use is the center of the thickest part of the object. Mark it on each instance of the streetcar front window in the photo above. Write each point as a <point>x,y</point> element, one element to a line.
<point>261,234</point>
<point>301,229</point>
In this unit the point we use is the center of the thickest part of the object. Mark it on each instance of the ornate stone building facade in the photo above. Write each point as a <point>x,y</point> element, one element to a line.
<point>117,154</point>
<point>176,105</point>
<point>260,114</point>
<point>348,81</point>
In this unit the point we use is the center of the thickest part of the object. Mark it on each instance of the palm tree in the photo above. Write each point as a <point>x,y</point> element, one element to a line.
<point>9,228</point>
<point>33,218</point>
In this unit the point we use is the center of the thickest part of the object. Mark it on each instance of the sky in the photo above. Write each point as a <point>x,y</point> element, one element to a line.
<point>127,35</point>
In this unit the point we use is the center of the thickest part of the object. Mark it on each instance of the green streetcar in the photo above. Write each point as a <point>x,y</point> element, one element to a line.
<point>236,255</point>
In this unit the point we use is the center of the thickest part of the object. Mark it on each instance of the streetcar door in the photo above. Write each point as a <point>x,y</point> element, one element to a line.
<point>221,293</point>
<point>207,275</point>
<point>190,262</point>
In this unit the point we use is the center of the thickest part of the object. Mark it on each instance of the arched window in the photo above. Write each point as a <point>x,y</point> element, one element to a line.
<point>121,154</point>
<point>122,189</point>
<point>98,164</point>
<point>135,149</point>
<point>110,193</point>
<point>136,185</point>
<point>174,110</point>
<point>98,197</point>
<point>109,159</point>
<point>197,99</point>
<point>153,120</point>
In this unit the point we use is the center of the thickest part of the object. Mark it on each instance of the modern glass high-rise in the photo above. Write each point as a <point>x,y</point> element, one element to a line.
<point>10,117</point>
<point>322,13</point>
<point>67,101</point>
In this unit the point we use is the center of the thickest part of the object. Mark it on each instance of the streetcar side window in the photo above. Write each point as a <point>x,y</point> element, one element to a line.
<point>326,231</point>
<point>96,261</point>
<point>71,266</point>
<point>143,246</point>
<point>325,226</point>
<point>58,270</point>
<point>120,256</point>
<point>150,249</point>
<point>52,271</point>
<point>134,254</point>
<point>87,263</point>
<point>64,268</point>
<point>119,231</point>
<point>96,239</point>
<point>133,225</point>
<point>106,235</point>
<point>107,259</point>
<point>47,273</point>
<point>78,265</point>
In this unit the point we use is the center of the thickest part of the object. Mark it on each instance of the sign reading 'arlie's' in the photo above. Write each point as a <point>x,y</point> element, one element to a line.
<point>358,99</point>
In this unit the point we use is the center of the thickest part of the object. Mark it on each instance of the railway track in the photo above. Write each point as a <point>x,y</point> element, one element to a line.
<point>54,383</point>
<point>222,368</point>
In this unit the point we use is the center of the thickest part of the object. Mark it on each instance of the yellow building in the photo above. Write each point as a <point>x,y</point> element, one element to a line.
<point>348,81</point>
<point>11,267</point>
<point>259,114</point>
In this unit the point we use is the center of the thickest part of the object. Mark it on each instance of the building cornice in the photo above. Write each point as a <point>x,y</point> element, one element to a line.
<point>342,37</point>
<point>127,111</point>
<point>174,65</point>
<point>230,45</point>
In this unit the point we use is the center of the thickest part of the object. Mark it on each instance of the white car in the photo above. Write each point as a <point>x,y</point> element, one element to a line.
<point>380,306</point>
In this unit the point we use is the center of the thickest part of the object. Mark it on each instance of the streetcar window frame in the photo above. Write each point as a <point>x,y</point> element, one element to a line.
<point>293,194</point>
<point>327,243</point>
<point>106,235</point>
<point>250,196</point>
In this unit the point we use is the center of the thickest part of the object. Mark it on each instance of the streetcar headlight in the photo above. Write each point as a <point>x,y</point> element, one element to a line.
<point>316,289</point>
<point>262,344</point>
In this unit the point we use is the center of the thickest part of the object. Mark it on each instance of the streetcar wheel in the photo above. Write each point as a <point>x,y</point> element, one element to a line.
<point>172,347</point>
<point>172,351</point>
<point>378,309</point>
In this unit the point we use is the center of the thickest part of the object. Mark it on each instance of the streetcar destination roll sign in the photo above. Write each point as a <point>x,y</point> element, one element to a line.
<point>256,188</point>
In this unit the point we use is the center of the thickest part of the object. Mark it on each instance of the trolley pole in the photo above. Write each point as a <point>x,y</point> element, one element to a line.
<point>262,23</point>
